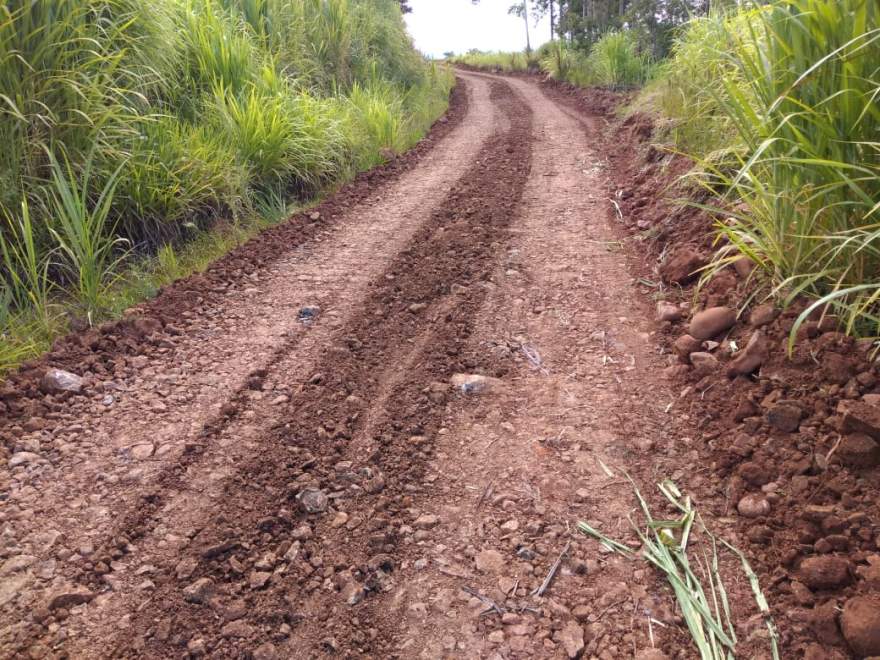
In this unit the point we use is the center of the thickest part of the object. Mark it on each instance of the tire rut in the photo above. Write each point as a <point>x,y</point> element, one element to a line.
<point>211,309</point>
<point>357,429</point>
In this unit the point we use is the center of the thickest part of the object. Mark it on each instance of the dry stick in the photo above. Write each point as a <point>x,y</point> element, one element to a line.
<point>484,495</point>
<point>547,580</point>
<point>488,602</point>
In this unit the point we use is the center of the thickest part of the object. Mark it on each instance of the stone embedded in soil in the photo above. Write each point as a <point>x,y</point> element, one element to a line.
<point>58,380</point>
<point>751,357</point>
<point>711,322</point>
<point>685,345</point>
<point>489,561</point>
<point>313,500</point>
<point>825,572</point>
<point>860,623</point>
<point>266,651</point>
<point>667,311</point>
<point>200,591</point>
<point>704,362</point>
<point>785,416</point>
<point>70,598</point>
<point>24,458</point>
<point>763,315</point>
<point>426,521</point>
<point>859,417</point>
<point>651,654</point>
<point>571,636</point>
<point>682,266</point>
<point>859,451</point>
<point>754,473</point>
<point>753,505</point>
<point>259,579</point>
<point>473,383</point>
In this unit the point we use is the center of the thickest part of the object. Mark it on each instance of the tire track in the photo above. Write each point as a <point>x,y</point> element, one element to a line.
<point>323,441</point>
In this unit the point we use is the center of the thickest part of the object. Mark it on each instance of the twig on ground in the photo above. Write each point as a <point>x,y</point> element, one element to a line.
<point>547,580</point>
<point>484,495</point>
<point>488,602</point>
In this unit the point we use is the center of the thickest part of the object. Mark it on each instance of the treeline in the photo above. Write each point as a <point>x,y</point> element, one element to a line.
<point>130,125</point>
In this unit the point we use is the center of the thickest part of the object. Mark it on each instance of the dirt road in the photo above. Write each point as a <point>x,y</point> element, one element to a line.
<point>269,461</point>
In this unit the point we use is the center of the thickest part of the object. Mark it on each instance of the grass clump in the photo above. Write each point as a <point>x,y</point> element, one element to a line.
<point>695,580</point>
<point>169,114</point>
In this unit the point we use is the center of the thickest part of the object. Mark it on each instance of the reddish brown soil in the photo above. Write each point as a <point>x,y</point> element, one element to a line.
<point>821,507</point>
<point>234,482</point>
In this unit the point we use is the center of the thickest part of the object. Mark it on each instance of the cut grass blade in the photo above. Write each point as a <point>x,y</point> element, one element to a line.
<point>707,615</point>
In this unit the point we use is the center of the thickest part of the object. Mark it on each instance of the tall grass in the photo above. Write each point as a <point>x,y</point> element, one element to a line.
<point>804,199</point>
<point>171,113</point>
<point>613,61</point>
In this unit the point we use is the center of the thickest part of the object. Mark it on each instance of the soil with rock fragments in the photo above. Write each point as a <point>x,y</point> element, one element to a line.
<point>371,431</point>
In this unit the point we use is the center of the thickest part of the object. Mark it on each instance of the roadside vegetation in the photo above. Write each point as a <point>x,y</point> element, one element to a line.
<point>142,139</point>
<point>778,104</point>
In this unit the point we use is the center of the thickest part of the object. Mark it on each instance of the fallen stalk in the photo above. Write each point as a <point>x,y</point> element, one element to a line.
<point>703,601</point>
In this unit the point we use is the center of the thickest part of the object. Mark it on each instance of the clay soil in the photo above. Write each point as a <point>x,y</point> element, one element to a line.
<point>277,458</point>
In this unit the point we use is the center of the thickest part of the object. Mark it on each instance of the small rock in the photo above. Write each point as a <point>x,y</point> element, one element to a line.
<point>685,345</point>
<point>571,636</point>
<point>301,533</point>
<point>313,500</point>
<point>67,599</point>
<point>751,357</point>
<point>415,308</point>
<point>704,362</point>
<point>682,266</point>
<point>186,567</point>
<point>58,380</point>
<point>308,314</point>
<point>200,591</point>
<point>711,322</point>
<point>510,526</point>
<point>763,315</point>
<point>825,572</point>
<point>753,506</point>
<point>860,623</point>
<point>859,451</point>
<point>651,654</point>
<point>197,647</point>
<point>266,651</point>
<point>489,561</point>
<point>860,417</point>
<point>426,521</point>
<point>785,416</point>
<point>142,451</point>
<point>667,311</point>
<point>259,579</point>
<point>24,458</point>
<point>473,383</point>
<point>353,592</point>
<point>756,474</point>
<point>236,629</point>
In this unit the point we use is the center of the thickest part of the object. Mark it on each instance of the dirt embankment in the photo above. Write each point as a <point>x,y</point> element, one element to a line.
<point>791,440</point>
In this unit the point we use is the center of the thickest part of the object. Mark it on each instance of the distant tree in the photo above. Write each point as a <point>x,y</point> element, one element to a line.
<point>448,55</point>
<point>404,6</point>
<point>521,9</point>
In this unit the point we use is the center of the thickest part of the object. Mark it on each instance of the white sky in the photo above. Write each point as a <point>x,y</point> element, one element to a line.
<point>438,26</point>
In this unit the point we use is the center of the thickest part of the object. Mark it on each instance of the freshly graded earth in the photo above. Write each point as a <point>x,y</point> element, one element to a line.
<point>371,431</point>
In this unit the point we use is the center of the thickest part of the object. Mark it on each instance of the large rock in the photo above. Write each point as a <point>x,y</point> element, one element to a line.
<point>860,623</point>
<point>751,357</point>
<point>860,417</point>
<point>859,451</point>
<point>711,322</point>
<point>682,266</point>
<point>825,572</point>
<point>58,380</point>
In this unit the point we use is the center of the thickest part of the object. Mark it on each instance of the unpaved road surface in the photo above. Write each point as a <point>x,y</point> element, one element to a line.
<point>270,461</point>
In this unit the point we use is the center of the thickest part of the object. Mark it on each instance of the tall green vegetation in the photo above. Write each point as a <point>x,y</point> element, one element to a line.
<point>791,91</point>
<point>131,124</point>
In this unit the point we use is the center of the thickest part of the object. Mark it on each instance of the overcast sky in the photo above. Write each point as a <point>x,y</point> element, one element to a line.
<point>458,25</point>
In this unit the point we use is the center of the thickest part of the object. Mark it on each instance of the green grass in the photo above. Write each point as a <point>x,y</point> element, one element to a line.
<point>165,115</point>
<point>613,61</point>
